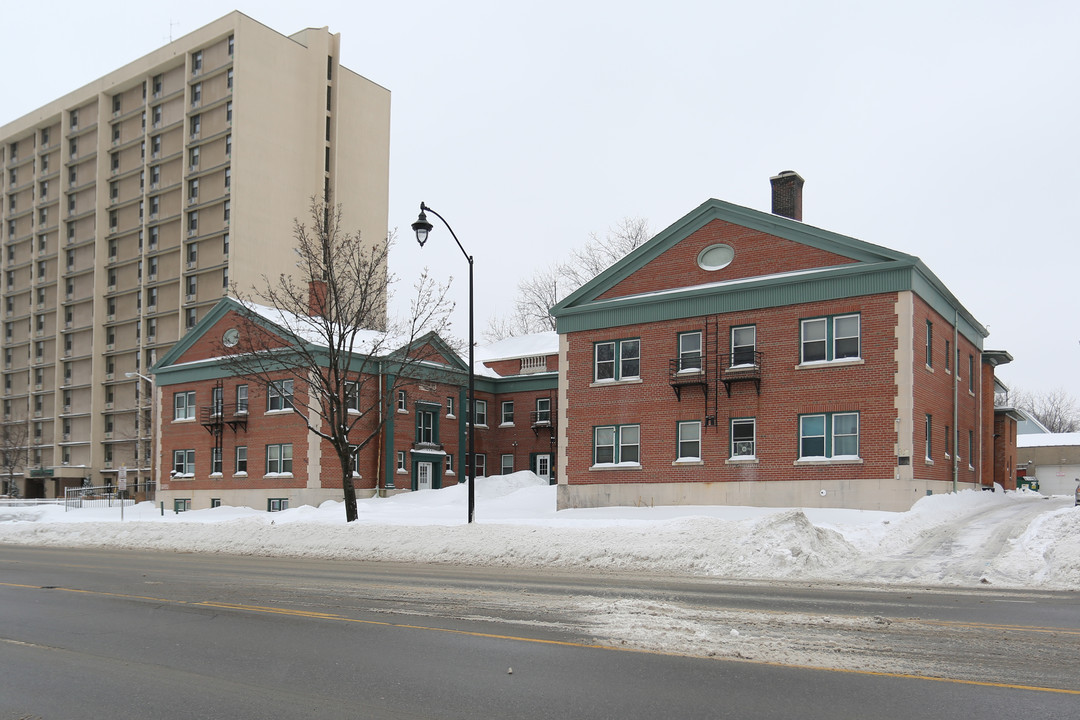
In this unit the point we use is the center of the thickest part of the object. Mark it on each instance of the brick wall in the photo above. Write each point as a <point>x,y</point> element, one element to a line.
<point>787,390</point>
<point>756,254</point>
<point>1005,453</point>
<point>933,394</point>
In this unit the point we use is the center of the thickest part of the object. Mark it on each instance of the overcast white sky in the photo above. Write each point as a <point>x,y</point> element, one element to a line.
<point>946,130</point>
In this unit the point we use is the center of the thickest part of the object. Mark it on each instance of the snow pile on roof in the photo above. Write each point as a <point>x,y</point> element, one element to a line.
<point>1016,539</point>
<point>312,330</point>
<point>546,343</point>
<point>1048,440</point>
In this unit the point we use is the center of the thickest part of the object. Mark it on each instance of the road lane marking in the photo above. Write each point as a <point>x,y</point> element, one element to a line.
<point>570,643</point>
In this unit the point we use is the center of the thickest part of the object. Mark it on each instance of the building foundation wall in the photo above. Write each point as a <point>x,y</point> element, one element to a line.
<point>870,494</point>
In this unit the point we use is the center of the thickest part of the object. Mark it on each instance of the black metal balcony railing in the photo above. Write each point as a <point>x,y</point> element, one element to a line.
<point>687,369</point>
<point>214,416</point>
<point>743,365</point>
<point>220,411</point>
<point>540,418</point>
<point>733,367</point>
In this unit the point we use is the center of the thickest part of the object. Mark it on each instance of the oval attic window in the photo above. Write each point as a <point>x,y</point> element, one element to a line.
<point>715,257</point>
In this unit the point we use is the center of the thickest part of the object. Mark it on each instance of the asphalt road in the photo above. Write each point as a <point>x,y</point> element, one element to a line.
<point>92,634</point>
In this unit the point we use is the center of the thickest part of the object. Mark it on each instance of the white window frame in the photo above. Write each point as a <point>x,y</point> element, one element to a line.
<point>831,339</point>
<point>279,459</point>
<point>279,396</point>
<point>184,405</point>
<point>623,438</point>
<point>740,350</point>
<point>183,463</point>
<point>690,358</point>
<point>929,437</point>
<point>829,435</point>
<point>738,446</point>
<point>507,418</point>
<point>625,360</point>
<point>479,412</point>
<point>689,439</point>
<point>352,396</point>
<point>505,469</point>
<point>240,460</point>
<point>543,411</point>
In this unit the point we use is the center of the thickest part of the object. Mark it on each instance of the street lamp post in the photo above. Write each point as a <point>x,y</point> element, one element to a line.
<point>422,228</point>
<point>153,433</point>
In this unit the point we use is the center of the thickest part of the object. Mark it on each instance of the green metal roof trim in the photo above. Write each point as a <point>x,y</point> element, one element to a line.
<point>877,269</point>
<point>517,383</point>
<point>223,307</point>
<point>167,373</point>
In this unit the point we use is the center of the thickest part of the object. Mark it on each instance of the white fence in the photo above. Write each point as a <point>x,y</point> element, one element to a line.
<point>29,502</point>
<point>94,497</point>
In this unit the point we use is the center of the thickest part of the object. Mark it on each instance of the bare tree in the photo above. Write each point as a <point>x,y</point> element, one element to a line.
<point>1055,409</point>
<point>600,253</point>
<point>14,452</point>
<point>547,286</point>
<point>339,344</point>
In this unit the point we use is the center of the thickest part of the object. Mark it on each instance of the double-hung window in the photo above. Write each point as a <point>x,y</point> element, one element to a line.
<point>617,444</point>
<point>617,360</point>
<point>929,435</point>
<point>829,338</point>
<point>184,462</point>
<point>184,405</point>
<point>829,435</point>
<point>508,412</point>
<point>241,399</point>
<point>241,459</point>
<point>480,413</point>
<point>279,395</point>
<point>690,440</point>
<point>690,351</point>
<point>743,438</point>
<point>506,464</point>
<point>279,459</point>
<point>743,345</point>
<point>543,411</point>
<point>929,344</point>
<point>352,396</point>
<point>215,461</point>
<point>425,426</point>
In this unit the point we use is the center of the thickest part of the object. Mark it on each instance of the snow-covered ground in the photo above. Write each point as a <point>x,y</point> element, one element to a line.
<point>1014,540</point>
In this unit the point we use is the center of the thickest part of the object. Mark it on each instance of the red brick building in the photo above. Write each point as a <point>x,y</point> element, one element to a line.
<point>746,358</point>
<point>233,440</point>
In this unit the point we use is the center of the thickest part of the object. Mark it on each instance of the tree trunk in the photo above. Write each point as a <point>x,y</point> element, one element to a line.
<point>350,496</point>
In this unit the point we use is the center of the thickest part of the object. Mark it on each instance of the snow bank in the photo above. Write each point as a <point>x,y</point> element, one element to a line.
<point>1009,539</point>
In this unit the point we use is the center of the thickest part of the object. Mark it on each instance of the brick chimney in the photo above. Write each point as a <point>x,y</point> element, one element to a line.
<point>317,298</point>
<point>787,194</point>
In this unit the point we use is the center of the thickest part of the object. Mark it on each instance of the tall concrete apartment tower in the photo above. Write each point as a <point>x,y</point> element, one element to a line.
<point>131,204</point>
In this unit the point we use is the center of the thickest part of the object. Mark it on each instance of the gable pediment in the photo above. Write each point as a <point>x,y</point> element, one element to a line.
<point>749,256</point>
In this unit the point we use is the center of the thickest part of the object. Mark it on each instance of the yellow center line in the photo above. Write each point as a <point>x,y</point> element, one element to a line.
<point>570,643</point>
<point>992,626</point>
